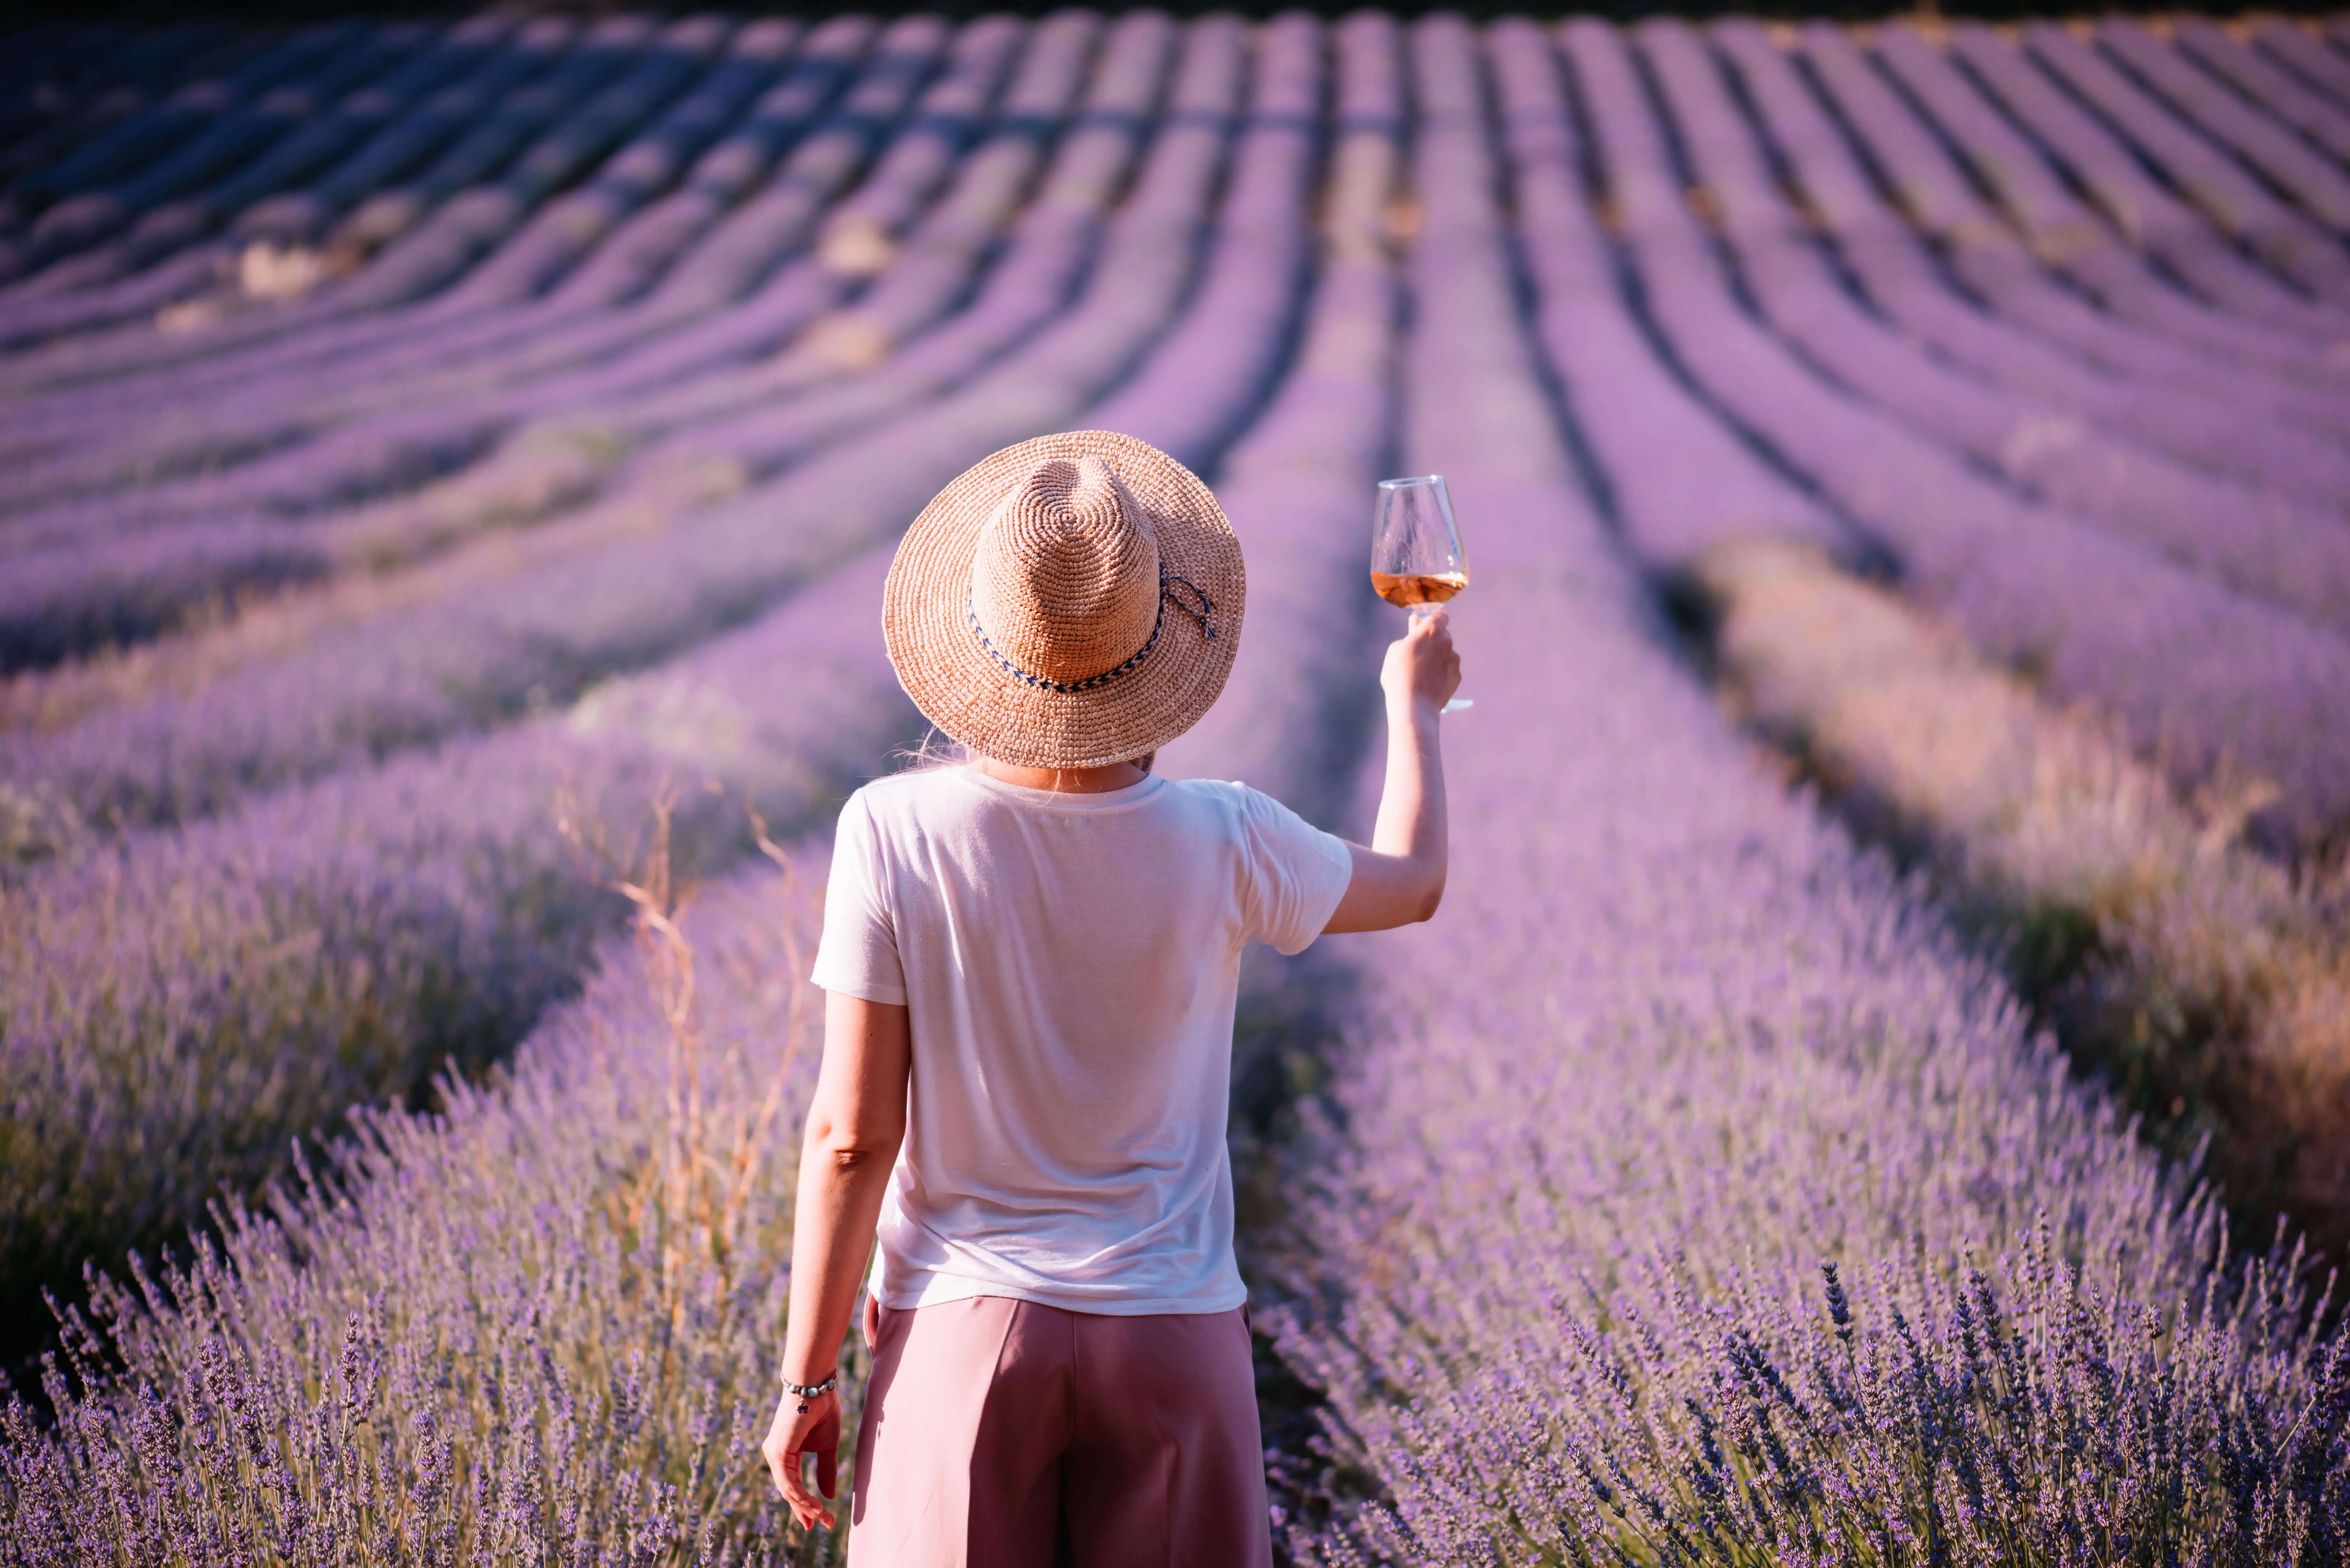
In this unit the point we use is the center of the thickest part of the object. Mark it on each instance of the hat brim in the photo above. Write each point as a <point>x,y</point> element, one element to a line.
<point>963,692</point>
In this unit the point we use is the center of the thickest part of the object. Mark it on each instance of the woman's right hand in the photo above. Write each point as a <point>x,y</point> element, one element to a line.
<point>801,1428</point>
<point>1422,666</point>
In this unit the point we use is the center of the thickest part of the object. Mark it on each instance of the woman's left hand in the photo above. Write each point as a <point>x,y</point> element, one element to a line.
<point>793,1437</point>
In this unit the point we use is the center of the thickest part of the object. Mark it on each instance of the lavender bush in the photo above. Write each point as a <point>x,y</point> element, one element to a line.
<point>175,1007</point>
<point>2206,980</point>
<point>2105,162</point>
<point>1995,562</point>
<point>1927,180</point>
<point>334,941</point>
<point>492,143</point>
<point>2194,98</point>
<point>2256,448</point>
<point>2081,240</point>
<point>2268,544</point>
<point>2271,86</point>
<point>1560,1274</point>
<point>541,1321</point>
<point>638,597</point>
<point>408,491</point>
<point>2294,240</point>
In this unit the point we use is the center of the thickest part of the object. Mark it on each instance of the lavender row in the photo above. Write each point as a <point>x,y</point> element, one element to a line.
<point>2075,238</point>
<point>883,272</point>
<point>655,154</point>
<point>572,328</point>
<point>1675,477</point>
<point>74,590</point>
<point>1050,249</point>
<point>1054,241</point>
<point>2201,675</point>
<point>605,446</point>
<point>463,660</point>
<point>2292,577</point>
<point>252,974</point>
<point>2292,552</point>
<point>2272,88</point>
<point>546,233</point>
<point>106,79</point>
<point>739,186</point>
<point>741,287</point>
<point>1296,484</point>
<point>220,71</point>
<point>752,281</point>
<point>60,587</point>
<point>2015,265</point>
<point>213,558</point>
<point>115,228</point>
<point>978,277</point>
<point>480,57</point>
<point>181,1004</point>
<point>370,93</point>
<point>1559,1269</point>
<point>2167,227</point>
<point>2303,243</point>
<point>155,155</point>
<point>2194,98</point>
<point>722,179</point>
<point>595,1060</point>
<point>455,210</point>
<point>556,1301</point>
<point>2187,422</point>
<point>496,214</point>
<point>374,453</point>
<point>497,306</point>
<point>1566,635</point>
<point>2310,55</point>
<point>522,121</point>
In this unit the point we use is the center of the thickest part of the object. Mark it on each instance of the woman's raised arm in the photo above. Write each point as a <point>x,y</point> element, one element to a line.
<point>1400,876</point>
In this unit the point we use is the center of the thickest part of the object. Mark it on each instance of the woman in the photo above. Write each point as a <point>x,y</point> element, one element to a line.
<point>1030,963</point>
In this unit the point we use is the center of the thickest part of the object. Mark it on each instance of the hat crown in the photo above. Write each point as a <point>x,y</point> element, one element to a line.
<point>1065,579</point>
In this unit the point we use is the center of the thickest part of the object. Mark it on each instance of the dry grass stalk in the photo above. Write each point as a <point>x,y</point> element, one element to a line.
<point>710,1153</point>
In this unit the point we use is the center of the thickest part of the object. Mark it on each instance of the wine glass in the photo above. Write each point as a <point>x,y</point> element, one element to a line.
<point>1416,559</point>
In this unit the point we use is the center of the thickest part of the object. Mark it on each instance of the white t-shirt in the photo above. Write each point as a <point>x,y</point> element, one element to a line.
<point>1070,964</point>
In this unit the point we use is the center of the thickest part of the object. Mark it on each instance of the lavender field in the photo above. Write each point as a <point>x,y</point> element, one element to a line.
<point>1877,1090</point>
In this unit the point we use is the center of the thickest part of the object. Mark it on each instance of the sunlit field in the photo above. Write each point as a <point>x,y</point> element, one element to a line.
<point>1877,1090</point>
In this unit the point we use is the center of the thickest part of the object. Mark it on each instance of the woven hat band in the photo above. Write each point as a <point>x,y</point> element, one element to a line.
<point>1065,579</point>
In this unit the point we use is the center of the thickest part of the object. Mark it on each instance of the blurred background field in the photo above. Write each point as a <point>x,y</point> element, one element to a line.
<point>1877,1091</point>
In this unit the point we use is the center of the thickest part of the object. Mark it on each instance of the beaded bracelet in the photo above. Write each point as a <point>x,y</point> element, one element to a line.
<point>807,1391</point>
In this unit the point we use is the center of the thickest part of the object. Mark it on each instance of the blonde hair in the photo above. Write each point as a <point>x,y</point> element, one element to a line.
<point>937,749</point>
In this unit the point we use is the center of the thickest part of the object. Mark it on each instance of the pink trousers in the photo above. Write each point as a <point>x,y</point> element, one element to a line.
<point>1002,1434</point>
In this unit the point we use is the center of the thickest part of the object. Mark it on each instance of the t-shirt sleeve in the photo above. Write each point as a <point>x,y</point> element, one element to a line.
<point>1292,873</point>
<point>858,955</point>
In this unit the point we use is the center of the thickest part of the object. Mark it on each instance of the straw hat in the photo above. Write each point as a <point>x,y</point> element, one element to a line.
<point>1070,602</point>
